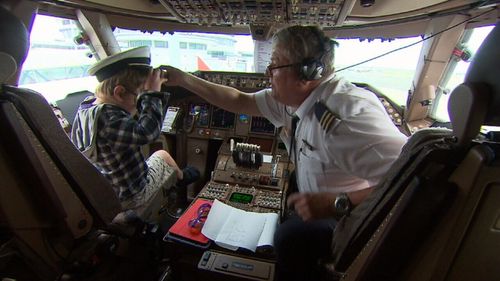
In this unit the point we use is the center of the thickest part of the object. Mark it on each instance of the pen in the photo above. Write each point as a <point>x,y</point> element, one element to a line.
<point>309,146</point>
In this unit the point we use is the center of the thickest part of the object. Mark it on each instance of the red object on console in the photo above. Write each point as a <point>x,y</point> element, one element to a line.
<point>181,231</point>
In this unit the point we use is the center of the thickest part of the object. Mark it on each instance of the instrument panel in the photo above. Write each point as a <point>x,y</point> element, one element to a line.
<point>208,121</point>
<point>258,189</point>
<point>245,198</point>
<point>201,119</point>
<point>242,81</point>
<point>259,12</point>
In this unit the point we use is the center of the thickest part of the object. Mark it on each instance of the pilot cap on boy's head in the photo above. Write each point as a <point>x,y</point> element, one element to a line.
<point>105,68</point>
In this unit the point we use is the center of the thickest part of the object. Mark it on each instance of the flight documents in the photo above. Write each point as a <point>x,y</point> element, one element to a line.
<point>232,228</point>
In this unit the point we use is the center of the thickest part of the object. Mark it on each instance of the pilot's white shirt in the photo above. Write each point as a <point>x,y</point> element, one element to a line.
<point>354,153</point>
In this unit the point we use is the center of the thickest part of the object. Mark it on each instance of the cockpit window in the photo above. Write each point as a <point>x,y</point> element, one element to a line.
<point>391,74</point>
<point>56,65</point>
<point>193,51</point>
<point>59,57</point>
<point>457,69</point>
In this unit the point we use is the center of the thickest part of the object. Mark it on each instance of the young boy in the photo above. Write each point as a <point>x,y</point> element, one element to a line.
<point>106,131</point>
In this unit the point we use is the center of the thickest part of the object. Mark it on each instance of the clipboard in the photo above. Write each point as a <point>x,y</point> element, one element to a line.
<point>182,232</point>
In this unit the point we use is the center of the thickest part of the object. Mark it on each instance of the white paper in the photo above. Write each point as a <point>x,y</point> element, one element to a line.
<point>232,228</point>
<point>267,158</point>
<point>262,55</point>
<point>267,236</point>
<point>214,223</point>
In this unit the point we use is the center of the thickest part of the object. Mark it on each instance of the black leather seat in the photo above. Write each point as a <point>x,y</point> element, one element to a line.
<point>56,209</point>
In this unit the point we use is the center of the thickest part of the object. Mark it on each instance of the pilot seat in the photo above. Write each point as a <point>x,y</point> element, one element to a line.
<point>436,214</point>
<point>60,219</point>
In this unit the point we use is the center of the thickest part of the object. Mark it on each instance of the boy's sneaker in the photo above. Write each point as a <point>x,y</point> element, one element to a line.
<point>190,175</point>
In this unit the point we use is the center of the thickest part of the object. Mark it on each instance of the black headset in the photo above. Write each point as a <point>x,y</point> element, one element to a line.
<point>313,68</point>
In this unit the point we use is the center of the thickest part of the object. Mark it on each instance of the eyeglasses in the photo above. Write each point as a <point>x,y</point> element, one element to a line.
<point>270,68</point>
<point>197,223</point>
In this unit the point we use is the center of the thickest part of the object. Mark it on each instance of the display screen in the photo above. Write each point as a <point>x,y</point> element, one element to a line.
<point>242,198</point>
<point>261,125</point>
<point>222,119</point>
<point>202,113</point>
<point>243,118</point>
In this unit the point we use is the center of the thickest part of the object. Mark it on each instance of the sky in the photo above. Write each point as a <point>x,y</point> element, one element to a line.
<point>353,51</point>
<point>44,29</point>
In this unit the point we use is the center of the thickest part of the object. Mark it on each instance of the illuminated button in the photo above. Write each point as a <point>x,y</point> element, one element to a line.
<point>244,118</point>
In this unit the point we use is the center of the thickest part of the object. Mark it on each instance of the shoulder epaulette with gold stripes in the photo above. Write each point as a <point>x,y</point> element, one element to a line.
<point>325,117</point>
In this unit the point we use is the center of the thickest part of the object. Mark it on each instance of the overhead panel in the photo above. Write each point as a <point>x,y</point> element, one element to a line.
<point>135,6</point>
<point>306,12</point>
<point>255,12</point>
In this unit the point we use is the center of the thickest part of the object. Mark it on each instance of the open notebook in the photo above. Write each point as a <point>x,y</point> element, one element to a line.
<point>232,228</point>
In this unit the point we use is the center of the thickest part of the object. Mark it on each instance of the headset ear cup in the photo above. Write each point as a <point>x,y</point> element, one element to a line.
<point>318,71</point>
<point>311,69</point>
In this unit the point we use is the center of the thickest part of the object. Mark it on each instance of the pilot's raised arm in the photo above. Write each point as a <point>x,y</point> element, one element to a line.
<point>339,137</point>
<point>228,98</point>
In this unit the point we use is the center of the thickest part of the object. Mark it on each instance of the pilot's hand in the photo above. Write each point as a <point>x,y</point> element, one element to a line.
<point>311,206</point>
<point>173,75</point>
<point>155,79</point>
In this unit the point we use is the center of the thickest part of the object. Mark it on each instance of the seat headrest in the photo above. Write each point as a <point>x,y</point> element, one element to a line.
<point>14,46</point>
<point>485,69</point>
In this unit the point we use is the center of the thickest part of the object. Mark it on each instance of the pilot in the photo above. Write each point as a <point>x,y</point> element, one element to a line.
<point>106,131</point>
<point>339,136</point>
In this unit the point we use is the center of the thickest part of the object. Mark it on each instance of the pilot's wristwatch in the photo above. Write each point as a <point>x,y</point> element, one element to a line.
<point>342,205</point>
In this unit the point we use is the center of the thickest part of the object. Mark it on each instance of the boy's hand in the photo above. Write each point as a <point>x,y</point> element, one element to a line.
<point>155,79</point>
